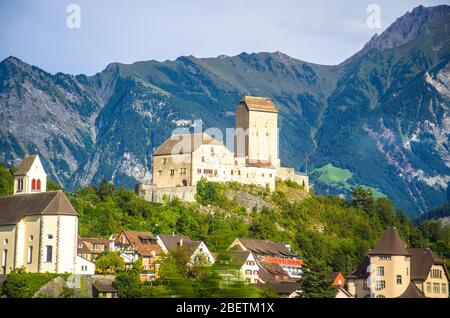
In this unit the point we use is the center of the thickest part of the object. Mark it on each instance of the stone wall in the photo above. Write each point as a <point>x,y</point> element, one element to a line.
<point>157,195</point>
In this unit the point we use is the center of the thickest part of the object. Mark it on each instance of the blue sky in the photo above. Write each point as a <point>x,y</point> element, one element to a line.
<point>320,31</point>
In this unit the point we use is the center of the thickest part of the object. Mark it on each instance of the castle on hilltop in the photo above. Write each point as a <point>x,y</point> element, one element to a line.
<point>184,159</point>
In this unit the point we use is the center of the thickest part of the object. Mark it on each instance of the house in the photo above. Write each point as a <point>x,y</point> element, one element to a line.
<point>390,270</point>
<point>243,266</point>
<point>271,253</point>
<point>104,291</point>
<point>196,249</point>
<point>184,159</point>
<point>84,266</point>
<point>336,278</point>
<point>429,273</point>
<point>91,248</point>
<point>290,289</point>
<point>134,245</point>
<point>38,229</point>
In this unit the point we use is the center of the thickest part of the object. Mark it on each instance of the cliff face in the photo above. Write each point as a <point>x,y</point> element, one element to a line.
<point>383,114</point>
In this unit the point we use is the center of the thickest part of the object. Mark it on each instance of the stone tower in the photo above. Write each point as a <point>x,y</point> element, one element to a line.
<point>257,131</point>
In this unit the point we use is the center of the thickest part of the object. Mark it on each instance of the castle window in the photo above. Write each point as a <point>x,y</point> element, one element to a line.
<point>33,184</point>
<point>160,173</point>
<point>30,237</point>
<point>212,149</point>
<point>50,237</point>
<point>199,171</point>
<point>232,172</point>
<point>215,172</point>
<point>172,172</point>
<point>164,161</point>
<point>203,159</point>
<point>183,171</point>
<point>239,172</point>
<point>380,270</point>
<point>38,184</point>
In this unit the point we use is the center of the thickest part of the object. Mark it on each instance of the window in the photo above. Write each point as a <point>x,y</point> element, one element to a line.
<point>199,171</point>
<point>33,184</point>
<point>183,171</point>
<point>232,172</point>
<point>380,284</point>
<point>30,254</point>
<point>444,288</point>
<point>30,238</point>
<point>248,272</point>
<point>20,185</point>
<point>164,161</point>
<point>380,296</point>
<point>38,184</point>
<point>212,149</point>
<point>380,270</point>
<point>80,245</point>
<point>429,287</point>
<point>5,258</point>
<point>407,271</point>
<point>49,254</point>
<point>384,258</point>
<point>203,159</point>
<point>436,288</point>
<point>50,237</point>
<point>255,272</point>
<point>399,279</point>
<point>365,285</point>
<point>160,173</point>
<point>172,172</point>
<point>5,241</point>
<point>215,172</point>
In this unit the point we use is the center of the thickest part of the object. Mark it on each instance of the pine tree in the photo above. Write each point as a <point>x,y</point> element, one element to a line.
<point>313,283</point>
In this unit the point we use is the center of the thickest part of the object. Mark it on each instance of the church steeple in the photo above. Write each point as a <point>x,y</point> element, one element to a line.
<point>30,177</point>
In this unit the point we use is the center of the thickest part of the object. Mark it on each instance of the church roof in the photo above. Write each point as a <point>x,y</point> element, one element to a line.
<point>25,165</point>
<point>184,144</point>
<point>260,104</point>
<point>14,207</point>
<point>390,244</point>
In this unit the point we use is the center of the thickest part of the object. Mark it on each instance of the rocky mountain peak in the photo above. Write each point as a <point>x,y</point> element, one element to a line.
<point>408,27</point>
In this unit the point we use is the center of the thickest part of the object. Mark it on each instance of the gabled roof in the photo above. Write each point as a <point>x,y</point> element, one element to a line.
<point>361,270</point>
<point>143,242</point>
<point>271,272</point>
<point>260,104</point>
<point>412,291</point>
<point>25,165</point>
<point>332,276</point>
<point>282,288</point>
<point>265,247</point>
<point>422,259</point>
<point>238,258</point>
<point>104,288</point>
<point>184,144</point>
<point>14,207</point>
<point>390,244</point>
<point>174,241</point>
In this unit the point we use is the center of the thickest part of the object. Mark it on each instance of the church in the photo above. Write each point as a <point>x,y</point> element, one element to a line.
<point>183,160</point>
<point>38,229</point>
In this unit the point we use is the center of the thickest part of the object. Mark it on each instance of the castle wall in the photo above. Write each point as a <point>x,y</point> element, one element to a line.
<point>172,170</point>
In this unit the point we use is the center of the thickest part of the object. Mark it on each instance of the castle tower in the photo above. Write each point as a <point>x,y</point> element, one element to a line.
<point>30,177</point>
<point>257,131</point>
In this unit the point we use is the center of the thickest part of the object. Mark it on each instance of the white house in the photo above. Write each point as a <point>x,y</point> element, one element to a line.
<point>169,242</point>
<point>84,266</point>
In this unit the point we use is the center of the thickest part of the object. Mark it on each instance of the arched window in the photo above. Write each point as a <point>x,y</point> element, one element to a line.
<point>33,184</point>
<point>38,185</point>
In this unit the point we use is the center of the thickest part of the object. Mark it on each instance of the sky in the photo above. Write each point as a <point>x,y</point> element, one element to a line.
<point>319,31</point>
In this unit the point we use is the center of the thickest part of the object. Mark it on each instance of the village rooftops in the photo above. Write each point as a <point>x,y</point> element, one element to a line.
<point>262,247</point>
<point>260,104</point>
<point>14,208</point>
<point>25,165</point>
<point>184,144</point>
<point>390,244</point>
<point>173,241</point>
<point>143,242</point>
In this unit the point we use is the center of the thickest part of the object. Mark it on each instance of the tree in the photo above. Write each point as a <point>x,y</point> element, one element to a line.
<point>109,262</point>
<point>6,181</point>
<point>52,186</point>
<point>362,198</point>
<point>128,284</point>
<point>313,283</point>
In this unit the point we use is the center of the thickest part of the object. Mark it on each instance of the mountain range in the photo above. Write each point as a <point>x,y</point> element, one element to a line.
<point>379,119</point>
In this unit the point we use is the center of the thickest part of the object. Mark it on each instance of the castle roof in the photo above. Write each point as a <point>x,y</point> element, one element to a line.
<point>422,259</point>
<point>14,207</point>
<point>260,104</point>
<point>184,144</point>
<point>390,244</point>
<point>25,165</point>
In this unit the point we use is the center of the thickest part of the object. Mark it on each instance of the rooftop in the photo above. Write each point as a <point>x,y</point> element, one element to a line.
<point>260,104</point>
<point>184,144</point>
<point>389,244</point>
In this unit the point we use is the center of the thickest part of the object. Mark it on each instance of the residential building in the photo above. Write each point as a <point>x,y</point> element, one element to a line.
<point>336,278</point>
<point>271,253</point>
<point>84,266</point>
<point>90,248</point>
<point>104,291</point>
<point>390,270</point>
<point>183,160</point>
<point>134,245</point>
<point>197,249</point>
<point>243,267</point>
<point>38,229</point>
